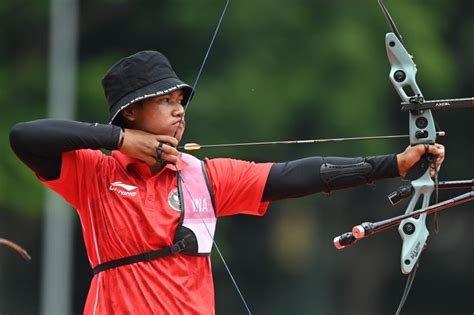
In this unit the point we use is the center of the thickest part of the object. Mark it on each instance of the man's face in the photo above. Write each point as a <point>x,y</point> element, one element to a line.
<point>163,115</point>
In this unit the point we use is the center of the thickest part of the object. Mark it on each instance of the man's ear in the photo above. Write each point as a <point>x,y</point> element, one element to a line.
<point>129,114</point>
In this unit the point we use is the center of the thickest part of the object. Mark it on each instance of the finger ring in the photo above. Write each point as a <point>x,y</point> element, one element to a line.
<point>427,148</point>
<point>159,152</point>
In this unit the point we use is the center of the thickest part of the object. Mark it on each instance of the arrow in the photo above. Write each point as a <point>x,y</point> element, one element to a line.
<point>196,146</point>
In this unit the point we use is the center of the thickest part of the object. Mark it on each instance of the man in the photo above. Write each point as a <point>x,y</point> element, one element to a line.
<point>148,212</point>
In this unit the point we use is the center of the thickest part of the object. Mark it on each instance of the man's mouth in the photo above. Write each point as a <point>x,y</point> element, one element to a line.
<point>179,123</point>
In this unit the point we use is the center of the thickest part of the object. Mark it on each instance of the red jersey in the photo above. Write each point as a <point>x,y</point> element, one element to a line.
<point>125,210</point>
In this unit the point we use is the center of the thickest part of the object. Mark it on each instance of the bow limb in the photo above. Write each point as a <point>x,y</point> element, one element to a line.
<point>23,253</point>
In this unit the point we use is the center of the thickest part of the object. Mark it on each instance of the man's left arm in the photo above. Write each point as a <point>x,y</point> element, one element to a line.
<point>324,174</point>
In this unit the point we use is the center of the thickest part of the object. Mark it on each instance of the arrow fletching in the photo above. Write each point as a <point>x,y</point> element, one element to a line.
<point>191,146</point>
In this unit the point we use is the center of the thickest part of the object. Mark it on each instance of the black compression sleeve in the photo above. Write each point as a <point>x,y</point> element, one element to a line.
<point>317,174</point>
<point>40,143</point>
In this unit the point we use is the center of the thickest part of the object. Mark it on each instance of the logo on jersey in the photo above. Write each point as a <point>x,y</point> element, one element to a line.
<point>173,200</point>
<point>200,205</point>
<point>123,189</point>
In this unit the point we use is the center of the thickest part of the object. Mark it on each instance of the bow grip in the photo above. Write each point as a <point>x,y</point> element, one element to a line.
<point>417,170</point>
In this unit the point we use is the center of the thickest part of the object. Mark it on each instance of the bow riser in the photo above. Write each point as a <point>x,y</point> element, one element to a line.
<point>403,78</point>
<point>421,130</point>
<point>413,231</point>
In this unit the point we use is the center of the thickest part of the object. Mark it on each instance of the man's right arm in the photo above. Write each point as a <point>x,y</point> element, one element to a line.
<point>40,143</point>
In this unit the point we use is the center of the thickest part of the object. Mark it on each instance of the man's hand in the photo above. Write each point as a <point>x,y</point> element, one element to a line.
<point>412,154</point>
<point>143,146</point>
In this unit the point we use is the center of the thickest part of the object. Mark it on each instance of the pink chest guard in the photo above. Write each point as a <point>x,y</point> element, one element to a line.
<point>197,206</point>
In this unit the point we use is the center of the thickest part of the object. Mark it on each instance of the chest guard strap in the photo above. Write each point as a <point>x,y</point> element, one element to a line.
<point>146,256</point>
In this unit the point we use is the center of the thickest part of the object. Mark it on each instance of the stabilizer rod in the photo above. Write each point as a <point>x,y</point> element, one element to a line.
<point>407,190</point>
<point>366,229</point>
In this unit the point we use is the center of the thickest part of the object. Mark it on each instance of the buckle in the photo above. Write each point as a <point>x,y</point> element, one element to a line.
<point>147,256</point>
<point>178,246</point>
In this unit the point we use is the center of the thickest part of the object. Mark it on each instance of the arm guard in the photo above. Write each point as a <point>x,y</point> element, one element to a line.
<point>338,173</point>
<point>317,174</point>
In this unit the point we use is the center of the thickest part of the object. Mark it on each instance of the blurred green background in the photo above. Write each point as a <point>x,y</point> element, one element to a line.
<point>279,70</point>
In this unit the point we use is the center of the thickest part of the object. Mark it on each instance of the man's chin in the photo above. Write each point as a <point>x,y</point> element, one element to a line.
<point>179,135</point>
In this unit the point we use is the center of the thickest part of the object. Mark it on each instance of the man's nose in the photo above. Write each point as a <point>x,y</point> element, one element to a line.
<point>179,111</point>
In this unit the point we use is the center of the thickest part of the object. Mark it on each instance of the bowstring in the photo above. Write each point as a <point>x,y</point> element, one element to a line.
<point>406,291</point>
<point>201,68</point>
<point>436,180</point>
<point>186,106</point>
<point>218,250</point>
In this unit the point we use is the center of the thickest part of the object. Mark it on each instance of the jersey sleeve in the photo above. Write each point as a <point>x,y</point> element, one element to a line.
<point>238,186</point>
<point>78,168</point>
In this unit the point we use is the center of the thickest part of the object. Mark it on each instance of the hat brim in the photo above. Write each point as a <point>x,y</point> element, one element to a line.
<point>161,87</point>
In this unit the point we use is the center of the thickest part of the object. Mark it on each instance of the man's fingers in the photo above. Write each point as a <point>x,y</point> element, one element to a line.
<point>163,149</point>
<point>438,151</point>
<point>439,155</point>
<point>167,139</point>
<point>433,150</point>
<point>170,158</point>
<point>426,149</point>
<point>168,149</point>
<point>165,152</point>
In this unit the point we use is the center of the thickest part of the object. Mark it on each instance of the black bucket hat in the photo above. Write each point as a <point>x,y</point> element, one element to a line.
<point>137,77</point>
